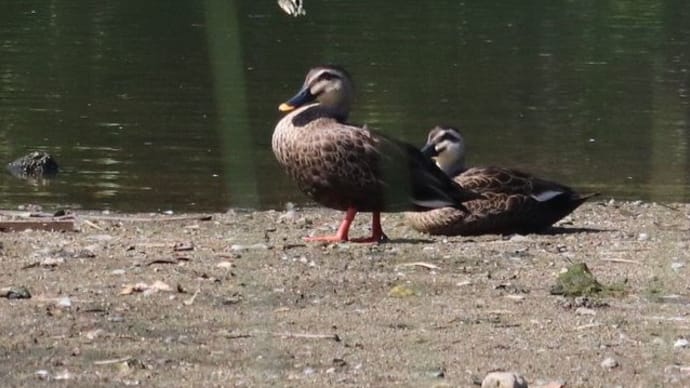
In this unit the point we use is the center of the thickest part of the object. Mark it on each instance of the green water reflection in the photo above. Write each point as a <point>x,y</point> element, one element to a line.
<point>171,105</point>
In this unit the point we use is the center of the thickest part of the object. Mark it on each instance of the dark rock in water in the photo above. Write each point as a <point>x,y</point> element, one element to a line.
<point>36,164</point>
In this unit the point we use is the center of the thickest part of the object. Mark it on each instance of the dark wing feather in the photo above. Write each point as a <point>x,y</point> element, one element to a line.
<point>428,187</point>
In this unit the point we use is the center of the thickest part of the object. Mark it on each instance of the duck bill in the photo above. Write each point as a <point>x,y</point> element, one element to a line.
<point>429,150</point>
<point>304,96</point>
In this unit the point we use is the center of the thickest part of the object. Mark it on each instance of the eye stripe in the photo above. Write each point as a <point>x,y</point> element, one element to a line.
<point>449,136</point>
<point>326,75</point>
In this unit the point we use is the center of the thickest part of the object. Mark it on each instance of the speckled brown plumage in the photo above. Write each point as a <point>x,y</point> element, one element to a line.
<point>352,168</point>
<point>514,201</point>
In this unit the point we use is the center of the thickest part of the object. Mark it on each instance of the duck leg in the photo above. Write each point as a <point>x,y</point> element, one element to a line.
<point>343,229</point>
<point>377,234</point>
<point>342,234</point>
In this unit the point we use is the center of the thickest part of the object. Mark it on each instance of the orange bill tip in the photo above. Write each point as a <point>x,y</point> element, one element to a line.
<point>284,107</point>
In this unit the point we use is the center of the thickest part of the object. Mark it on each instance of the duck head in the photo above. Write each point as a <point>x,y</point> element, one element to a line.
<point>446,147</point>
<point>329,86</point>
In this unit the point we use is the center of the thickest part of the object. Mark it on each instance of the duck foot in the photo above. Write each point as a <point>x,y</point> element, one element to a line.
<point>377,235</point>
<point>336,239</point>
<point>331,239</point>
<point>374,238</point>
<point>341,234</point>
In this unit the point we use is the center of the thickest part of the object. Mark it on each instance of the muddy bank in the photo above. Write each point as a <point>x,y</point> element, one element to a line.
<point>239,299</point>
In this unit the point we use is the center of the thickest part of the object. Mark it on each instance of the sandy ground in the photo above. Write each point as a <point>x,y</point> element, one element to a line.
<point>240,300</point>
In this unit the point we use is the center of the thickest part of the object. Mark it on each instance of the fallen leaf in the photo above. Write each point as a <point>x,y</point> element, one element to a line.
<point>401,291</point>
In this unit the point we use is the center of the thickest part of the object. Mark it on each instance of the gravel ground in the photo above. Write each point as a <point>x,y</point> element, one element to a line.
<point>240,300</point>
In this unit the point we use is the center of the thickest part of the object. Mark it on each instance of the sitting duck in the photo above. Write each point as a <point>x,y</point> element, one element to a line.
<point>513,201</point>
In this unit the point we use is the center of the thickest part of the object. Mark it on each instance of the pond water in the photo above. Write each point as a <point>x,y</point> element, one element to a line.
<point>151,106</point>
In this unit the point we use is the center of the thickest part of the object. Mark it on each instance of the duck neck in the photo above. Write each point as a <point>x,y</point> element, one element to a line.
<point>339,116</point>
<point>452,167</point>
<point>338,112</point>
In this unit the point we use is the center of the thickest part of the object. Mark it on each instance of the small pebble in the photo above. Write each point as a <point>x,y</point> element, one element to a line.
<point>239,247</point>
<point>677,266</point>
<point>64,302</point>
<point>309,371</point>
<point>225,265</point>
<point>64,375</point>
<point>52,261</point>
<point>93,334</point>
<point>642,237</point>
<point>609,363</point>
<point>438,374</point>
<point>504,380</point>
<point>585,311</point>
<point>681,343</point>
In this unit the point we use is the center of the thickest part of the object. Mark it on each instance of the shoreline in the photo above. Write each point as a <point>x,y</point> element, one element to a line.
<point>240,299</point>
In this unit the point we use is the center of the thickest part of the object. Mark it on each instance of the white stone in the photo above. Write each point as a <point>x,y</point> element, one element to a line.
<point>240,247</point>
<point>585,311</point>
<point>609,363</point>
<point>681,343</point>
<point>504,380</point>
<point>64,302</point>
<point>64,375</point>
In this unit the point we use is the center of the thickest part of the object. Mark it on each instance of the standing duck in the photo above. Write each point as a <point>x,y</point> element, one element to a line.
<point>352,168</point>
<point>514,202</point>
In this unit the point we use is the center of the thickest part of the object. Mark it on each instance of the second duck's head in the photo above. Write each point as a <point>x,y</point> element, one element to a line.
<point>330,86</point>
<point>446,147</point>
